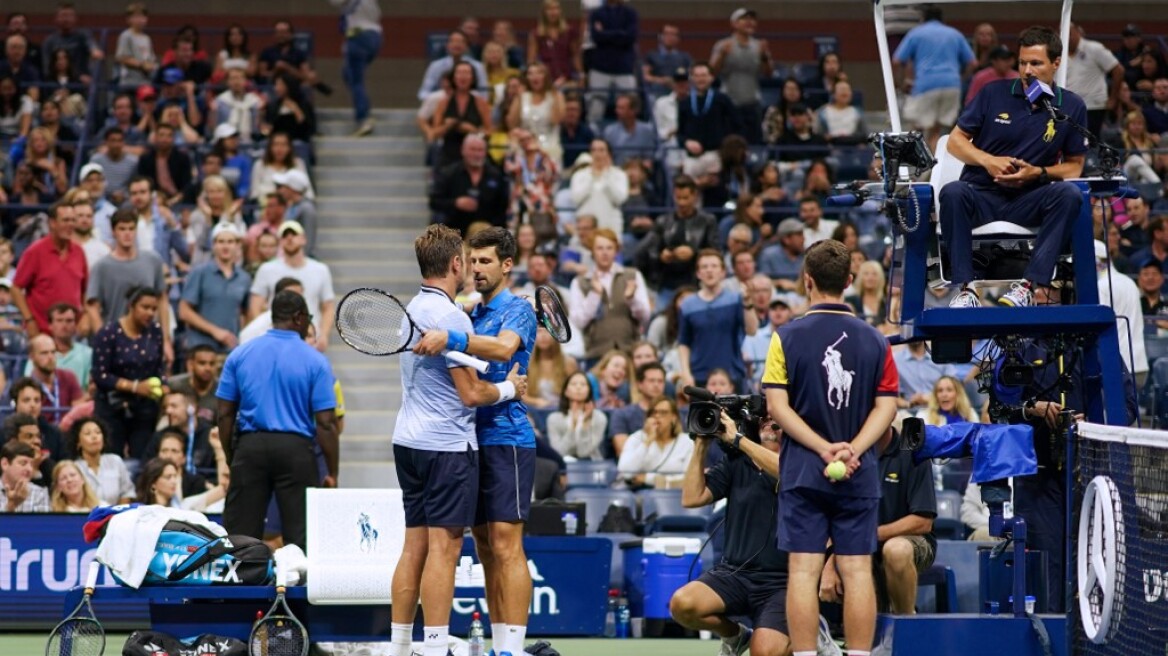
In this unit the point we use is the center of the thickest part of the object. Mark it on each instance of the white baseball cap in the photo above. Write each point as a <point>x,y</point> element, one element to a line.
<point>223,131</point>
<point>226,227</point>
<point>92,167</point>
<point>294,179</point>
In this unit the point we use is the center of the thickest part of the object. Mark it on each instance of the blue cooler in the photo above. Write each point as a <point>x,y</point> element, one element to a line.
<point>665,567</point>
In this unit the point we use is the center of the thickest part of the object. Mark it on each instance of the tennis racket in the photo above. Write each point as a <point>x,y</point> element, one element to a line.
<point>278,633</point>
<point>550,313</point>
<point>376,323</point>
<point>79,634</point>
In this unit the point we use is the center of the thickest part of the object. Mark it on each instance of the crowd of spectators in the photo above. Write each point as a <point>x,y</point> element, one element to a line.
<point>670,195</point>
<point>153,199</point>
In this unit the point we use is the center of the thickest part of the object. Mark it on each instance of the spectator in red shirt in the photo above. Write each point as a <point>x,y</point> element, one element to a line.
<point>52,270</point>
<point>1001,68</point>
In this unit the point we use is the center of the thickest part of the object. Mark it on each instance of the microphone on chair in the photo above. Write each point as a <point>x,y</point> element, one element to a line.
<point>1040,93</point>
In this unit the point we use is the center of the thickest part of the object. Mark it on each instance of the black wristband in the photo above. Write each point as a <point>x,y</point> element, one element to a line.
<point>1043,177</point>
<point>737,440</point>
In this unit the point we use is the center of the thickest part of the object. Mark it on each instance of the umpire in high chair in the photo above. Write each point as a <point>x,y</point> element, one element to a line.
<point>279,390</point>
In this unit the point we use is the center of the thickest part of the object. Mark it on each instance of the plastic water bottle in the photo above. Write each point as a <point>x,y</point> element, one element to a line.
<point>476,641</point>
<point>622,618</point>
<point>610,615</point>
<point>570,523</point>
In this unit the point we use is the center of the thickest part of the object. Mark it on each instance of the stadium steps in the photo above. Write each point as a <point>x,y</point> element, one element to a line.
<point>371,195</point>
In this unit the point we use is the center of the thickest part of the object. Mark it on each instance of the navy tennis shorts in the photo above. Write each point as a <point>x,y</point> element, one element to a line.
<point>807,518</point>
<point>761,596</point>
<point>506,476</point>
<point>438,487</point>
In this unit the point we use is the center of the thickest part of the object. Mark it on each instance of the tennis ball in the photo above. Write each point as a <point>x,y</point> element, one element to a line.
<point>836,470</point>
<point>154,383</point>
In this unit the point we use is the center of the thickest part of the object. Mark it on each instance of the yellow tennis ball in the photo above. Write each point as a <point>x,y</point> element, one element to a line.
<point>154,382</point>
<point>836,470</point>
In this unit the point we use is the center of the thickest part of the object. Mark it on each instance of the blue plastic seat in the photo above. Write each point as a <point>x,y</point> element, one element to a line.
<point>671,516</point>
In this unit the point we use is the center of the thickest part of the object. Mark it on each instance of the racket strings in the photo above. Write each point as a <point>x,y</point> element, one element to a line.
<point>372,322</point>
<point>552,315</point>
<point>279,635</point>
<point>79,636</point>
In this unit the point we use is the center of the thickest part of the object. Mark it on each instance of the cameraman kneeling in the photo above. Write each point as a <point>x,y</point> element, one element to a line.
<point>751,580</point>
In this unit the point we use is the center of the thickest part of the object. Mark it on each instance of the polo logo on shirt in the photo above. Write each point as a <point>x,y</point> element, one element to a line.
<point>892,478</point>
<point>839,380</point>
<point>1003,118</point>
<point>1048,136</point>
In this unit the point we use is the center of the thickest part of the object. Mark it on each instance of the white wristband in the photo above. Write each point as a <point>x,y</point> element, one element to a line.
<point>506,391</point>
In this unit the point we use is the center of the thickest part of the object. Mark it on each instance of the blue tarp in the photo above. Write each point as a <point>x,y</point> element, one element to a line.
<point>999,451</point>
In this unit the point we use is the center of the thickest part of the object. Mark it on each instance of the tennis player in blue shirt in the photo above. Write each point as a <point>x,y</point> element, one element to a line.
<point>434,447</point>
<point>504,327</point>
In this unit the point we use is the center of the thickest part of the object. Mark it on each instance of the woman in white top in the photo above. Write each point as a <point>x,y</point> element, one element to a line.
<point>70,491</point>
<point>106,472</point>
<point>840,121</point>
<point>539,110</point>
<point>278,158</point>
<point>601,188</point>
<point>577,430</point>
<point>656,455</point>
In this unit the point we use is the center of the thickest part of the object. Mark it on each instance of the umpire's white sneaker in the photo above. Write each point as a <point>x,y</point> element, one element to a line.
<point>737,645</point>
<point>824,645</point>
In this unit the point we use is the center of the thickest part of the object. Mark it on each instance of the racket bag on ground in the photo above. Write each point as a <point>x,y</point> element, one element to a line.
<point>157,643</point>
<point>188,554</point>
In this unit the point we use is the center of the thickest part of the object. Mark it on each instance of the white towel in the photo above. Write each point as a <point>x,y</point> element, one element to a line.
<point>131,536</point>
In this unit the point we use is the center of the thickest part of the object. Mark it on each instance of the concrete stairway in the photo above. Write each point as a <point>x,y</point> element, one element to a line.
<point>371,196</point>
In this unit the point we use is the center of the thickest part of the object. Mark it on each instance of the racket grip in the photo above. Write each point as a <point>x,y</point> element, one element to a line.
<point>467,361</point>
<point>281,575</point>
<point>91,576</point>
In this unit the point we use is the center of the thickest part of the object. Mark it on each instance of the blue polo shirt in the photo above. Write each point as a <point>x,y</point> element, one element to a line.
<point>713,330</point>
<point>833,365</point>
<point>505,424</point>
<point>1003,123</point>
<point>279,382</point>
<point>938,54</point>
<point>218,298</point>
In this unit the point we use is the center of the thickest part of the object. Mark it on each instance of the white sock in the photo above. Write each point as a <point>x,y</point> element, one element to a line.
<point>498,637</point>
<point>859,652</point>
<point>803,653</point>
<point>400,638</point>
<point>437,640</point>
<point>515,637</point>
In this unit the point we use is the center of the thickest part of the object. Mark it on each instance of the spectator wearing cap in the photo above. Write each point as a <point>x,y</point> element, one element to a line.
<point>168,167</point>
<point>629,138</point>
<point>1133,50</point>
<point>215,207</point>
<point>17,65</point>
<point>52,270</point>
<point>93,181</point>
<point>1001,68</point>
<point>783,261</point>
<point>315,277</point>
<point>116,164</point>
<point>126,267</point>
<point>292,185</point>
<point>739,61</point>
<point>79,43</point>
<point>122,117</point>
<point>472,189</point>
<point>755,347</point>
<point>177,91</point>
<point>661,65</point>
<point>236,163</point>
<point>704,119</point>
<point>215,296</point>
<point>83,232</point>
<point>238,107</point>
<point>799,143</point>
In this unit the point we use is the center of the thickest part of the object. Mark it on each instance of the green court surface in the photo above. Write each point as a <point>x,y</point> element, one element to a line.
<point>33,644</point>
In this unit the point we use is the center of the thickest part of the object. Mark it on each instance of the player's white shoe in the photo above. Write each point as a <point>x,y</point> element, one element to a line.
<point>824,645</point>
<point>737,645</point>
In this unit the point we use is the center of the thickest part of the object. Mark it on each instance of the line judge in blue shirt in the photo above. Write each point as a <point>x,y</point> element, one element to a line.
<point>282,391</point>
<point>504,326</point>
<point>1017,160</point>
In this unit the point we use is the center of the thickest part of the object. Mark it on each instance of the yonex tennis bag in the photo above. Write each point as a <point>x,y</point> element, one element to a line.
<point>157,643</point>
<point>188,554</point>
